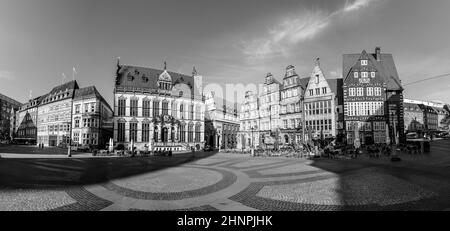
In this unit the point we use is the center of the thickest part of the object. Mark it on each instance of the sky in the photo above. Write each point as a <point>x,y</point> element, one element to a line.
<point>232,41</point>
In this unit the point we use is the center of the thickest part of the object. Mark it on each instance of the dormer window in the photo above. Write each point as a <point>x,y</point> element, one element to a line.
<point>363,62</point>
<point>355,74</point>
<point>144,79</point>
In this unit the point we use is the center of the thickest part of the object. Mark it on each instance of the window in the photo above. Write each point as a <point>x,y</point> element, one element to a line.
<point>181,111</point>
<point>317,79</point>
<point>77,123</point>
<point>174,109</point>
<point>324,90</point>
<point>285,124</point>
<point>133,132</point>
<point>351,91</point>
<point>146,108</point>
<point>363,62</point>
<point>122,103</point>
<point>92,107</point>
<point>121,132</point>
<point>182,131</point>
<point>197,133</point>
<point>360,91</point>
<point>369,91</point>
<point>191,133</point>
<point>145,132</point>
<point>311,92</point>
<point>77,108</point>
<point>165,108</point>
<point>155,108</point>
<point>317,91</point>
<point>86,107</point>
<point>372,74</point>
<point>364,74</point>
<point>134,107</point>
<point>191,112</point>
<point>355,74</point>
<point>378,91</point>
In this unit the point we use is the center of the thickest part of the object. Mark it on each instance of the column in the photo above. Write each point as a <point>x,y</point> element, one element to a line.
<point>202,134</point>
<point>176,134</point>
<point>169,134</point>
<point>160,107</point>
<point>159,133</point>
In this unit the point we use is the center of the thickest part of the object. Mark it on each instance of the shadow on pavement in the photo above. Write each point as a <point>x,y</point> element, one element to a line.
<point>39,172</point>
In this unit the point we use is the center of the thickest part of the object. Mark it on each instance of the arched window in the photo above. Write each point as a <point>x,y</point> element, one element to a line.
<point>197,132</point>
<point>198,112</point>
<point>174,109</point>
<point>191,133</point>
<point>182,131</point>
<point>182,111</point>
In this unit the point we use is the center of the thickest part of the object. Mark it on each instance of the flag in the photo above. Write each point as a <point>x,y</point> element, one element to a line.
<point>73,73</point>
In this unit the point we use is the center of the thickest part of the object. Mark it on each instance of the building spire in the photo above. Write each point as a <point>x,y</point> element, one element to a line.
<point>165,65</point>
<point>194,71</point>
<point>118,61</point>
<point>317,62</point>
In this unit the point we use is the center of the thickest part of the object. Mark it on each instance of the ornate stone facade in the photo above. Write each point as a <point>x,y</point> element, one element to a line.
<point>158,109</point>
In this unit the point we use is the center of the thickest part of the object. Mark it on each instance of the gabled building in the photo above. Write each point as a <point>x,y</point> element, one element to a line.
<point>92,119</point>
<point>221,122</point>
<point>249,122</point>
<point>323,106</point>
<point>55,115</point>
<point>373,97</point>
<point>7,107</point>
<point>158,108</point>
<point>290,107</point>
<point>269,111</point>
<point>430,118</point>
<point>26,125</point>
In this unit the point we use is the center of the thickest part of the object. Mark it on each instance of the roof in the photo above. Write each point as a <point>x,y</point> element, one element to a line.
<point>335,85</point>
<point>145,77</point>
<point>407,106</point>
<point>385,66</point>
<point>63,87</point>
<point>9,100</point>
<point>89,92</point>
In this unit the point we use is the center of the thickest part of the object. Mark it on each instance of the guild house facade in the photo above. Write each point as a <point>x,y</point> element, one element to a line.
<point>290,107</point>
<point>158,109</point>
<point>323,106</point>
<point>373,98</point>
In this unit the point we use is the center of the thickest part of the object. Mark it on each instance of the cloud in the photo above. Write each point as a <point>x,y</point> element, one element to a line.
<point>295,29</point>
<point>355,5</point>
<point>7,75</point>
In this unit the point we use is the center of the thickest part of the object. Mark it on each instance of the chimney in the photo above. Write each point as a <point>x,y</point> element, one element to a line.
<point>378,53</point>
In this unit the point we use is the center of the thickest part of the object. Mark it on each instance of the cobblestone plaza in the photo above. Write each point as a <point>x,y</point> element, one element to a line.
<point>224,181</point>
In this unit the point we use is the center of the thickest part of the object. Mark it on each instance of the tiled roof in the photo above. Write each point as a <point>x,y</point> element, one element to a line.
<point>385,66</point>
<point>66,86</point>
<point>89,92</point>
<point>144,77</point>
